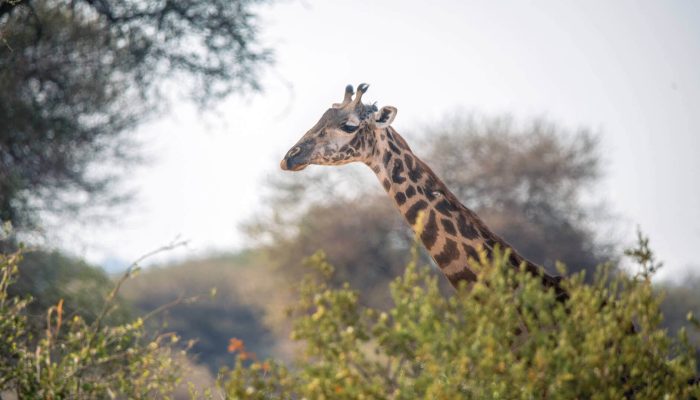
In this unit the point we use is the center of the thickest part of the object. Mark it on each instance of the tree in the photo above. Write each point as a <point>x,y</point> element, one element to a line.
<point>236,310</point>
<point>681,308</point>
<point>77,76</point>
<point>528,182</point>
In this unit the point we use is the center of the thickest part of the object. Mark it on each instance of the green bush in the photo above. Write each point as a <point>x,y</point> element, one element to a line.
<point>75,359</point>
<point>503,338</point>
<point>49,276</point>
<point>489,342</point>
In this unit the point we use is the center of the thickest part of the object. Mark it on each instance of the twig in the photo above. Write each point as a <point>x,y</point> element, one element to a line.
<point>179,300</point>
<point>127,274</point>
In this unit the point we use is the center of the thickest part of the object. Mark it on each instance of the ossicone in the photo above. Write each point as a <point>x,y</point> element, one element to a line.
<point>348,101</point>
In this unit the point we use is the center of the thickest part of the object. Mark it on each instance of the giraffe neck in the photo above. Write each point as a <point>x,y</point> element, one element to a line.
<point>450,232</point>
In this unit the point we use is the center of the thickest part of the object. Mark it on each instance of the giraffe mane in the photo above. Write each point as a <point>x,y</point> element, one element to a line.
<point>364,111</point>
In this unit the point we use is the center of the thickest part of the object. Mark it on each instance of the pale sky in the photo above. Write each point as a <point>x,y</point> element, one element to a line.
<point>627,69</point>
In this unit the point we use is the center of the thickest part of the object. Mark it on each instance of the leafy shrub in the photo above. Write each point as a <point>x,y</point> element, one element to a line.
<point>490,341</point>
<point>73,358</point>
<point>49,276</point>
<point>503,338</point>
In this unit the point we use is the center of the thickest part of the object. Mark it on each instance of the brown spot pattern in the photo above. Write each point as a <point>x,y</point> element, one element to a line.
<point>386,184</point>
<point>387,158</point>
<point>471,252</point>
<point>465,228</point>
<point>430,232</point>
<point>411,191</point>
<point>412,212</point>
<point>449,226</point>
<point>396,172</point>
<point>445,207</point>
<point>448,254</point>
<point>464,274</point>
<point>400,198</point>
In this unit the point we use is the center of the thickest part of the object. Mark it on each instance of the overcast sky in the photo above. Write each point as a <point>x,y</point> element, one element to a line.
<point>627,69</point>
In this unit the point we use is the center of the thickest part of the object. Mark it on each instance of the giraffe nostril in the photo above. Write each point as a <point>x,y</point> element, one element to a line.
<point>294,151</point>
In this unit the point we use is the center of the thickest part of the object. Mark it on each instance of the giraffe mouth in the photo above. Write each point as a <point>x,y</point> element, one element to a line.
<point>289,164</point>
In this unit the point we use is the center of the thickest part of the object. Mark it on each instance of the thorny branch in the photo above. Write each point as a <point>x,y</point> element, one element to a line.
<point>128,274</point>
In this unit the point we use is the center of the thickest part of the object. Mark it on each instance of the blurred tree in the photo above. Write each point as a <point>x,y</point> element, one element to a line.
<point>679,299</point>
<point>235,310</point>
<point>50,276</point>
<point>528,183</point>
<point>77,76</point>
<point>366,239</point>
<point>341,212</point>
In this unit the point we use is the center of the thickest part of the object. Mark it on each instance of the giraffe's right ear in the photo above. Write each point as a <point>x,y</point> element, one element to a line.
<point>385,116</point>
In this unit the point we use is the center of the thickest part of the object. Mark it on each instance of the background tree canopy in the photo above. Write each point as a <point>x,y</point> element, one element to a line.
<point>532,183</point>
<point>77,76</point>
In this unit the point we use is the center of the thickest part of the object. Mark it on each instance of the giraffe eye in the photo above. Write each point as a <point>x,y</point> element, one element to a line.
<point>348,127</point>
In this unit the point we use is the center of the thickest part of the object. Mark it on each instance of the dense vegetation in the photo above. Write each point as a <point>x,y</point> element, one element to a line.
<point>492,341</point>
<point>469,346</point>
<point>73,358</point>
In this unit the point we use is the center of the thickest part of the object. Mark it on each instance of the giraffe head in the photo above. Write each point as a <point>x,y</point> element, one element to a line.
<point>345,133</point>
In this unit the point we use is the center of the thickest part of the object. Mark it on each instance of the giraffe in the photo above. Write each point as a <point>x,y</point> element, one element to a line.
<point>352,131</point>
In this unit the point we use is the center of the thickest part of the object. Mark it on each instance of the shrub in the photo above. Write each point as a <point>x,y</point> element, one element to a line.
<point>49,276</point>
<point>73,358</point>
<point>502,338</point>
<point>488,342</point>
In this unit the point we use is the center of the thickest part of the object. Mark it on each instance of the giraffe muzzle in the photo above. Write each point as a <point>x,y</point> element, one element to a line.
<point>296,159</point>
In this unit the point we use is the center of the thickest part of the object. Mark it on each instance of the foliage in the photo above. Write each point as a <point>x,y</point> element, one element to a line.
<point>681,302</point>
<point>644,257</point>
<point>487,342</point>
<point>77,76</point>
<point>50,276</point>
<point>72,358</point>
<point>490,341</point>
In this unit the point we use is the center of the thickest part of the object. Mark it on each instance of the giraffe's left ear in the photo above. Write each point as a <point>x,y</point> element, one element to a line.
<point>385,116</point>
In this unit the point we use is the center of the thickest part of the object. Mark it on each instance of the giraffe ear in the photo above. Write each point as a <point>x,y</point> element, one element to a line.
<point>385,116</point>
